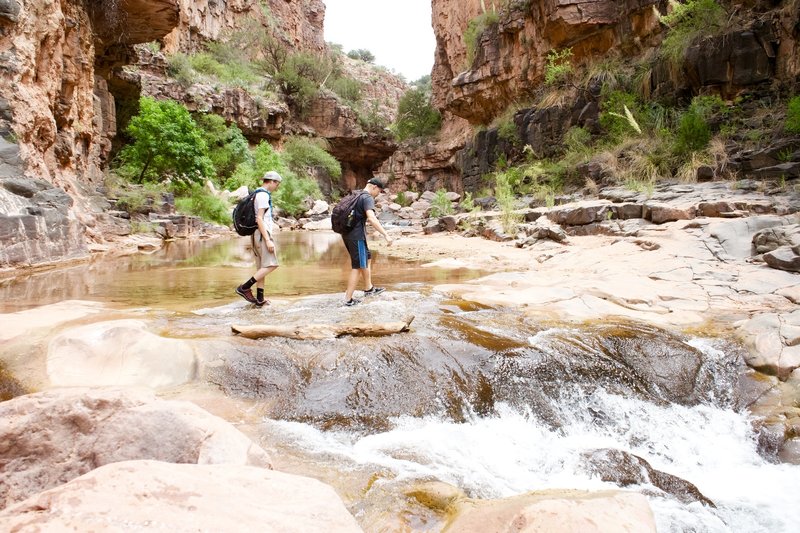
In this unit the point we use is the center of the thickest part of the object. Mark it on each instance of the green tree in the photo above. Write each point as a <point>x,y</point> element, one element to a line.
<point>361,54</point>
<point>294,189</point>
<point>167,145</point>
<point>304,153</point>
<point>226,144</point>
<point>416,117</point>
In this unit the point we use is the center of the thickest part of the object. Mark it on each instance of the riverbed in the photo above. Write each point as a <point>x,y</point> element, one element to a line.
<point>481,397</point>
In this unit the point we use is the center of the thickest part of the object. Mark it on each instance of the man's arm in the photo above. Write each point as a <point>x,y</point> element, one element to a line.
<point>263,229</point>
<point>375,223</point>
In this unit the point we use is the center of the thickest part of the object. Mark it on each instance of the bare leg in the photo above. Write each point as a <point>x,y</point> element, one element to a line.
<point>368,276</point>
<point>352,281</point>
<point>261,274</point>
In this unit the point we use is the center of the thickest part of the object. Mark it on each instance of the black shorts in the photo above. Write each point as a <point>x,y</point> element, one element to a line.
<point>359,253</point>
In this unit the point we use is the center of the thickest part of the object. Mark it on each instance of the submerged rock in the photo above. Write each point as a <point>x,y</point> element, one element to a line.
<point>624,469</point>
<point>555,510</point>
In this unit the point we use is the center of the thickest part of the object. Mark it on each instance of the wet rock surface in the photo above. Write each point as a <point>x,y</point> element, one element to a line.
<point>465,362</point>
<point>625,469</point>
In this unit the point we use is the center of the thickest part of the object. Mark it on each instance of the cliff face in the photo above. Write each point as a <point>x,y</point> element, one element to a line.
<point>297,23</point>
<point>510,56</point>
<point>58,115</point>
<point>760,53</point>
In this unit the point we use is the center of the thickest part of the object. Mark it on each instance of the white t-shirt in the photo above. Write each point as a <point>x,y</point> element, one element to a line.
<point>262,202</point>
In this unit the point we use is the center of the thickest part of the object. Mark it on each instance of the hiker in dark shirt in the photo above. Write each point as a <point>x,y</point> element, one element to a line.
<point>356,242</point>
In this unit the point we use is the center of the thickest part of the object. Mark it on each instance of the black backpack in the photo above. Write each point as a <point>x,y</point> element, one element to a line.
<point>343,217</point>
<point>244,214</point>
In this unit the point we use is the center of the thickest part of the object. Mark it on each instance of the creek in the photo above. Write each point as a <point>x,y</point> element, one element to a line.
<point>478,398</point>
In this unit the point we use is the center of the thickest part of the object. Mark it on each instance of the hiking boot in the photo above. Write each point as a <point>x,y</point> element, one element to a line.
<point>247,294</point>
<point>261,303</point>
<point>351,302</point>
<point>374,290</point>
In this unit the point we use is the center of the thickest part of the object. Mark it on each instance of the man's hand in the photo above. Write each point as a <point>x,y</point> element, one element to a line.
<point>388,240</point>
<point>270,246</point>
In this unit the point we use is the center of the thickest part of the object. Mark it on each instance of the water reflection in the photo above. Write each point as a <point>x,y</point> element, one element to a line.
<point>185,275</point>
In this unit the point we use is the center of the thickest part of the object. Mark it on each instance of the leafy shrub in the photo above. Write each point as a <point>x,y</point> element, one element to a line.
<point>302,153</point>
<point>300,77</point>
<point>402,200</point>
<point>348,89</point>
<point>558,65</point>
<point>416,117</point>
<point>693,133</point>
<point>504,193</point>
<point>227,147</point>
<point>475,28</point>
<point>793,115</point>
<point>180,69</point>
<point>441,205</point>
<point>361,54</point>
<point>206,64</point>
<point>167,144</point>
<point>687,22</point>
<point>198,201</point>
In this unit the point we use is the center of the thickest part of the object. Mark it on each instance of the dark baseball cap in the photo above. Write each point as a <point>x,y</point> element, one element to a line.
<point>378,183</point>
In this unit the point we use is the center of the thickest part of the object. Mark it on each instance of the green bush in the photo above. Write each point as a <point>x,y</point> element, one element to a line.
<point>504,192</point>
<point>198,201</point>
<point>693,133</point>
<point>416,117</point>
<point>167,145</point>
<point>402,200</point>
<point>793,115</point>
<point>687,22</point>
<point>300,77</point>
<point>475,28</point>
<point>558,65</point>
<point>303,153</point>
<point>361,54</point>
<point>441,205</point>
<point>227,147</point>
<point>180,69</point>
<point>348,90</point>
<point>294,189</point>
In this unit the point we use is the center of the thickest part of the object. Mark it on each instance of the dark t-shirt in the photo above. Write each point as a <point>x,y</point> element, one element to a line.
<point>364,203</point>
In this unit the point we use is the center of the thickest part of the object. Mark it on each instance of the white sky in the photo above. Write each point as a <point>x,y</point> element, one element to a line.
<point>398,33</point>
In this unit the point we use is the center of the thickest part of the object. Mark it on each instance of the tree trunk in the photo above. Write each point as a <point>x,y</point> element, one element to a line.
<point>323,331</point>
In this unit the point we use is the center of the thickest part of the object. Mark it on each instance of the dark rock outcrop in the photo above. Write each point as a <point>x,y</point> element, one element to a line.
<point>625,469</point>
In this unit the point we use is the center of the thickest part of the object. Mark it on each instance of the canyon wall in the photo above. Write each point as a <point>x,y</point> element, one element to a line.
<point>57,116</point>
<point>758,52</point>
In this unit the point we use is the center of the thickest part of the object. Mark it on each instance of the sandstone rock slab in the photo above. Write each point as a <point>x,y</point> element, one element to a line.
<point>151,495</point>
<point>49,438</point>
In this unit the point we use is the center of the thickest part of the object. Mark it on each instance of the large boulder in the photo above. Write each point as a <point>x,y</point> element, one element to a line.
<point>52,437</point>
<point>152,495</point>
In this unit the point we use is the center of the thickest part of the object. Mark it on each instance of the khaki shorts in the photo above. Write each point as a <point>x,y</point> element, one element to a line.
<point>263,256</point>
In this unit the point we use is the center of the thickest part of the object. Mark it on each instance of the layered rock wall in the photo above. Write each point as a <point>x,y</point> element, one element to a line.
<point>297,23</point>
